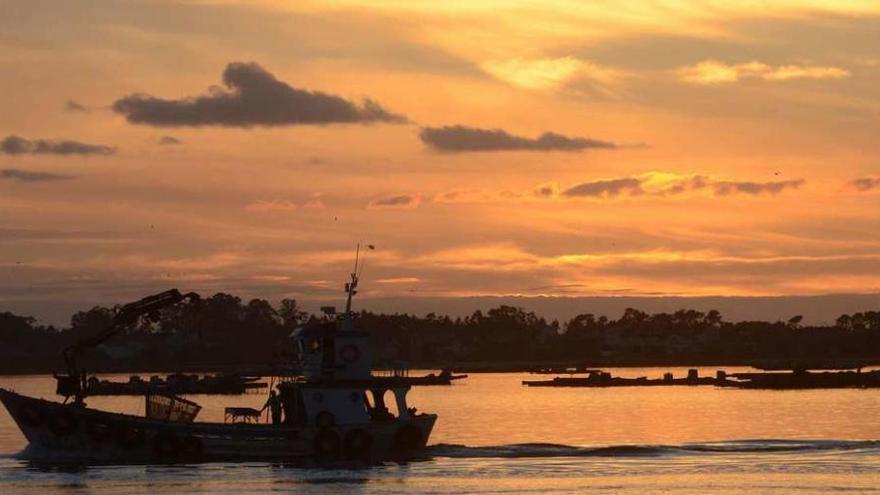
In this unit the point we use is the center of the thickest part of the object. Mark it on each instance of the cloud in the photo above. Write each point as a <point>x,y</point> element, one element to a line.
<point>17,145</point>
<point>678,185</point>
<point>396,201</point>
<point>73,106</point>
<point>715,72</point>
<point>606,188</point>
<point>650,184</point>
<point>459,138</point>
<point>548,73</point>
<point>18,175</point>
<point>466,196</point>
<point>727,188</point>
<point>271,205</point>
<point>254,97</point>
<point>864,183</point>
<point>547,190</point>
<point>169,141</point>
<point>313,202</point>
<point>661,184</point>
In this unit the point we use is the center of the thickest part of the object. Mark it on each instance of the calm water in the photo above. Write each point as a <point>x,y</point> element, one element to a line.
<point>496,436</point>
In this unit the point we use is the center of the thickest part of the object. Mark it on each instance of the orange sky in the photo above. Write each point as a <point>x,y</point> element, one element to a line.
<point>694,148</point>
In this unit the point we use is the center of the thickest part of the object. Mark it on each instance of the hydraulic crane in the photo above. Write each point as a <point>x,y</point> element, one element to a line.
<point>73,384</point>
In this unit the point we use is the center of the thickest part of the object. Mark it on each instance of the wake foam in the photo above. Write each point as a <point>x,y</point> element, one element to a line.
<point>526,450</point>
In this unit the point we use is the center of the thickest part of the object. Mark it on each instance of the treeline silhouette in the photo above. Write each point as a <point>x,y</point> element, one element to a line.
<point>223,331</point>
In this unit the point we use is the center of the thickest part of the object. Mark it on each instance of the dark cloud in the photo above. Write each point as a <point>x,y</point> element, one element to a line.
<point>546,190</point>
<point>694,183</point>
<point>396,201</point>
<point>17,145</point>
<point>73,106</point>
<point>169,141</point>
<point>606,188</point>
<point>254,97</point>
<point>459,138</point>
<point>29,235</point>
<point>635,186</point>
<point>727,188</point>
<point>15,174</point>
<point>865,183</point>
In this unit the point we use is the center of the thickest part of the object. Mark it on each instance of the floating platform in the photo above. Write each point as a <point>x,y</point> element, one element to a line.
<point>799,380</point>
<point>177,384</point>
<point>792,380</point>
<point>605,379</point>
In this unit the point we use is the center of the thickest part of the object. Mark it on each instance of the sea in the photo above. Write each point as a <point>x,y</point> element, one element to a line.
<point>496,436</point>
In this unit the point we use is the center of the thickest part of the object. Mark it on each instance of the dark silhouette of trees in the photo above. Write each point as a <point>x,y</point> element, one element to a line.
<point>222,330</point>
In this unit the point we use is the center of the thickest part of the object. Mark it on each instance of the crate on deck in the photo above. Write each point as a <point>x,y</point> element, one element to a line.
<point>171,408</point>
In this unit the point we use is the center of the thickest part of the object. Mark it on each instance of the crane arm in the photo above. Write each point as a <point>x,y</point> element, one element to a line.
<point>125,315</point>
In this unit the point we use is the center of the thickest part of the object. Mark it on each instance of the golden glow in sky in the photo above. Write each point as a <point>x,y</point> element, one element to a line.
<point>490,147</point>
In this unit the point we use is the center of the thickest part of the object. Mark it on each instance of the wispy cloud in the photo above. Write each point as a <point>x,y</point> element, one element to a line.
<point>549,73</point>
<point>396,201</point>
<point>17,145</point>
<point>18,175</point>
<point>606,188</point>
<point>864,183</point>
<point>716,72</point>
<point>725,188</point>
<point>271,205</point>
<point>460,138</point>
<point>74,106</point>
<point>651,184</point>
<point>254,97</point>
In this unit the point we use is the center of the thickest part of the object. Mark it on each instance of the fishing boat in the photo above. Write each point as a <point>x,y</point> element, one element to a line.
<point>335,411</point>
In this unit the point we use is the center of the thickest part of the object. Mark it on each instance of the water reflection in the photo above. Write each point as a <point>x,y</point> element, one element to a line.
<point>495,435</point>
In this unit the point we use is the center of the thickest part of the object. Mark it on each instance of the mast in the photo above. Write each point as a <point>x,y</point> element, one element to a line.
<point>351,287</point>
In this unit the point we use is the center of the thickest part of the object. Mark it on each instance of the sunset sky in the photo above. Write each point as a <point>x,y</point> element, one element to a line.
<point>484,147</point>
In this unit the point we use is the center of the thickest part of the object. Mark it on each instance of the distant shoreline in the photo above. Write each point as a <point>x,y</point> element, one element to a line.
<point>470,367</point>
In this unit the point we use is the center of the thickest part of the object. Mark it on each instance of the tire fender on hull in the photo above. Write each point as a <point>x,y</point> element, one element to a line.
<point>128,437</point>
<point>98,431</point>
<point>358,444</point>
<point>325,419</point>
<point>166,445</point>
<point>192,448</point>
<point>328,445</point>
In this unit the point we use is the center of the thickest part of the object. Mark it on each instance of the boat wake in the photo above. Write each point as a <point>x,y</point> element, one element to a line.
<point>537,450</point>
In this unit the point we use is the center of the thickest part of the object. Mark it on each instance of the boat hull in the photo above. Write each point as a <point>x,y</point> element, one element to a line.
<point>72,432</point>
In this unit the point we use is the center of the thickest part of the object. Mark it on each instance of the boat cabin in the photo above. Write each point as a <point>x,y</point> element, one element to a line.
<point>328,405</point>
<point>327,353</point>
<point>336,386</point>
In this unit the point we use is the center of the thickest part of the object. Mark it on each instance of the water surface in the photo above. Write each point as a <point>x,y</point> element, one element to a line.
<point>496,436</point>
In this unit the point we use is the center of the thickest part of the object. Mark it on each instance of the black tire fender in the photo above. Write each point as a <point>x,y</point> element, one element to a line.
<point>358,444</point>
<point>192,448</point>
<point>166,445</point>
<point>128,437</point>
<point>98,430</point>
<point>325,419</point>
<point>328,445</point>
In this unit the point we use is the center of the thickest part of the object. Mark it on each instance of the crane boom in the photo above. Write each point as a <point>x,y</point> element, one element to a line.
<point>73,384</point>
